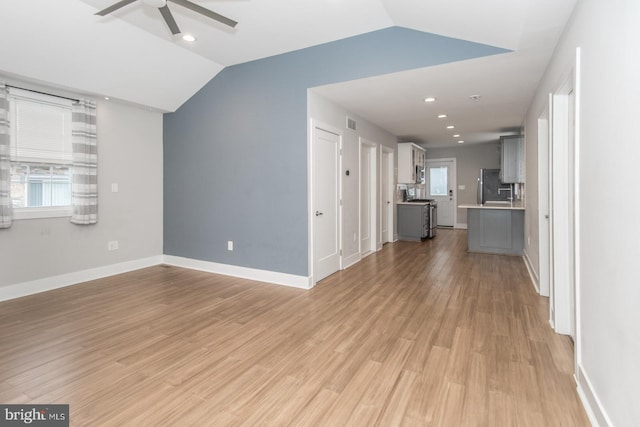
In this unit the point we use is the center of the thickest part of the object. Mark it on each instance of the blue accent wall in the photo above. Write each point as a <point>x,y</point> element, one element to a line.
<point>235,154</point>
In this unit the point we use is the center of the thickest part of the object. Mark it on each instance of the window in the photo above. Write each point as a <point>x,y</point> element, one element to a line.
<point>438,181</point>
<point>40,154</point>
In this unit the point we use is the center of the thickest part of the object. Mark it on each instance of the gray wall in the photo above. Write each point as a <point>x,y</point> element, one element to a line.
<point>235,155</point>
<point>469,160</point>
<point>130,154</point>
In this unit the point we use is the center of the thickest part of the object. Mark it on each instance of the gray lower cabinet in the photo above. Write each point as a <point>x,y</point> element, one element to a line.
<point>498,231</point>
<point>413,222</point>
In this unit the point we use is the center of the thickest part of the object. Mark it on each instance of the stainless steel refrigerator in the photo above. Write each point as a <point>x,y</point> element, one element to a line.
<point>489,184</point>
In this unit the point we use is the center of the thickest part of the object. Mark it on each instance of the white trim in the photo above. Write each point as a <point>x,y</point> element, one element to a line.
<point>48,283</point>
<point>351,260</point>
<point>593,407</point>
<point>273,277</point>
<point>42,212</point>
<point>535,281</point>
<point>562,209</point>
<point>576,216</point>
<point>460,225</point>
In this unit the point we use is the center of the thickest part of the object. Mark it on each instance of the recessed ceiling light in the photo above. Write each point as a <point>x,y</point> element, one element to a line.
<point>451,127</point>
<point>188,38</point>
<point>106,98</point>
<point>460,142</point>
<point>457,135</point>
<point>475,97</point>
<point>442,116</point>
<point>429,99</point>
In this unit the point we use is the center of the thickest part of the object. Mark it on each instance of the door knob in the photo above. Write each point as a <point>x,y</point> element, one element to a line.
<point>318,213</point>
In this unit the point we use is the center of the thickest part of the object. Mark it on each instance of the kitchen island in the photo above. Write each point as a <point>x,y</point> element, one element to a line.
<point>495,227</point>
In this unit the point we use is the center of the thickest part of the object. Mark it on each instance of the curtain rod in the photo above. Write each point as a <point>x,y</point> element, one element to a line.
<point>43,93</point>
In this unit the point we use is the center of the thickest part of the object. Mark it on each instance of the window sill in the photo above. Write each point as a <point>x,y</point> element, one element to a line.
<point>36,213</point>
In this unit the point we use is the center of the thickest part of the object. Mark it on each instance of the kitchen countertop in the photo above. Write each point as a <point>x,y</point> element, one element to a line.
<point>515,205</point>
<point>412,203</point>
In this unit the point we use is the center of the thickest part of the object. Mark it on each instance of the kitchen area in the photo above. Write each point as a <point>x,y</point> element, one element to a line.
<point>417,215</point>
<point>489,191</point>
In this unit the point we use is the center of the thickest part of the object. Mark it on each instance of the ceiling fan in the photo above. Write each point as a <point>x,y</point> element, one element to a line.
<point>166,13</point>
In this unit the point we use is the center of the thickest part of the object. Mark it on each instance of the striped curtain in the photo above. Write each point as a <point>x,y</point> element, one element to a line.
<point>84,189</point>
<point>6,209</point>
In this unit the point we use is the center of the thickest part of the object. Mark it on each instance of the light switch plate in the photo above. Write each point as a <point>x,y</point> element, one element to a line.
<point>114,187</point>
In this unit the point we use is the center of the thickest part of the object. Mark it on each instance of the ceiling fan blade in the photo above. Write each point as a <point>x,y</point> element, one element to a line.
<point>206,12</point>
<point>168,18</point>
<point>114,7</point>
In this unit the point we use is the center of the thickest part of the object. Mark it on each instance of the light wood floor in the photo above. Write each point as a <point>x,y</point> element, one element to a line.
<point>418,334</point>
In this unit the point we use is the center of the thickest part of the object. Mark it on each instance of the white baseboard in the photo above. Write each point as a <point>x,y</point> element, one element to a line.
<point>592,405</point>
<point>351,260</point>
<point>460,226</point>
<point>49,283</point>
<point>276,278</point>
<point>535,280</point>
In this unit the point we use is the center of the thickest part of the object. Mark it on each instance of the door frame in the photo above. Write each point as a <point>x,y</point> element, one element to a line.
<point>313,126</point>
<point>561,226</point>
<point>372,148</point>
<point>454,184</point>
<point>390,185</point>
<point>544,203</point>
<point>564,307</point>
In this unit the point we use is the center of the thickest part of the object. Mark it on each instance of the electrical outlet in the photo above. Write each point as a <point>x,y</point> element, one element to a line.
<point>230,245</point>
<point>113,245</point>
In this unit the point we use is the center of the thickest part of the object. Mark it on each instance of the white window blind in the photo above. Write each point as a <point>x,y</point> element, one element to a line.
<point>42,128</point>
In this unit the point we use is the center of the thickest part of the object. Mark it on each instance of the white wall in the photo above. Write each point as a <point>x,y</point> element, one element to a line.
<point>130,154</point>
<point>321,109</point>
<point>608,341</point>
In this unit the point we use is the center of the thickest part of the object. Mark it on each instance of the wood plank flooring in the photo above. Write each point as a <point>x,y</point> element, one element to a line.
<point>418,334</point>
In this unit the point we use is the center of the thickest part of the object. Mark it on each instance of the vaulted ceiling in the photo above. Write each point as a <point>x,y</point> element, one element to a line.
<point>131,55</point>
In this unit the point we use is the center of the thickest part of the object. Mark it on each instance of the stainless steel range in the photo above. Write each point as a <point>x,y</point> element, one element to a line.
<point>431,220</point>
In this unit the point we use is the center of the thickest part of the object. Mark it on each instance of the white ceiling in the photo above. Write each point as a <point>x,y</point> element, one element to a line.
<point>132,56</point>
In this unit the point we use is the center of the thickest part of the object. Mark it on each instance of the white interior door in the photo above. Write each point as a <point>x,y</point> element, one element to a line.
<point>440,187</point>
<point>543,204</point>
<point>562,304</point>
<point>367,198</point>
<point>326,214</point>
<point>386,201</point>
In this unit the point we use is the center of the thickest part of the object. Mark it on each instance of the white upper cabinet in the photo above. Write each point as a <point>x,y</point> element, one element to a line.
<point>512,159</point>
<point>411,162</point>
